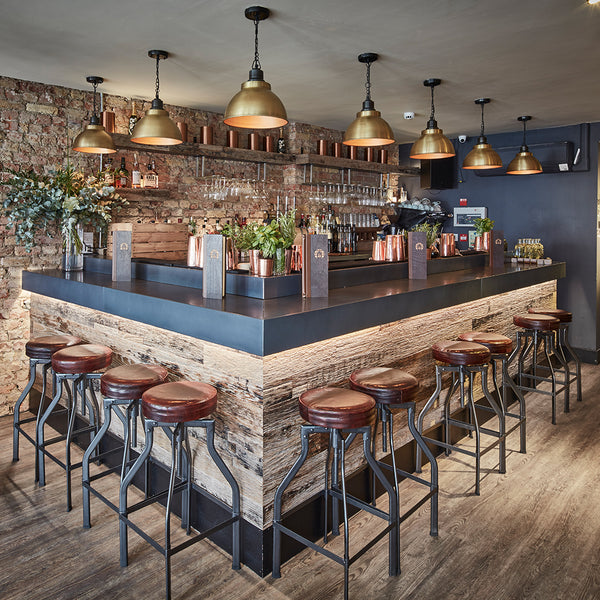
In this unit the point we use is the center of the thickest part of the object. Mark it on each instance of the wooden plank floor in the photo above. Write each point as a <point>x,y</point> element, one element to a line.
<point>534,533</point>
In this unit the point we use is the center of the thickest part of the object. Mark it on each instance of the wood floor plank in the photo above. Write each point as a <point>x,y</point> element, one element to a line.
<point>534,533</point>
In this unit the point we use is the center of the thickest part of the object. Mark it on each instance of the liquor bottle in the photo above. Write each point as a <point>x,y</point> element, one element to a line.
<point>302,223</point>
<point>136,174</point>
<point>108,174</point>
<point>151,177</point>
<point>218,226</point>
<point>133,118</point>
<point>122,175</point>
<point>281,143</point>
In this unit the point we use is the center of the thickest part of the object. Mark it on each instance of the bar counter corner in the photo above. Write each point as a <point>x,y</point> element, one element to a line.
<point>262,354</point>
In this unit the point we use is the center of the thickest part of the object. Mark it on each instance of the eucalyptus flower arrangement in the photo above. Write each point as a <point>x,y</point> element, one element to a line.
<point>67,198</point>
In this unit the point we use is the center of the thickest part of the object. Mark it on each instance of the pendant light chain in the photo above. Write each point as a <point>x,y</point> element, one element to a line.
<point>157,84</point>
<point>482,125</point>
<point>432,118</point>
<point>95,92</point>
<point>256,63</point>
<point>524,132</point>
<point>368,82</point>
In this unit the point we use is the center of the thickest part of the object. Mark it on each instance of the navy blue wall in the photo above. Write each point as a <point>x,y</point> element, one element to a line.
<point>559,208</point>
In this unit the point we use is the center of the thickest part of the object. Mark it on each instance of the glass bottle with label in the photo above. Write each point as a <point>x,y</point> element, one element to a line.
<point>133,118</point>
<point>122,176</point>
<point>136,174</point>
<point>108,174</point>
<point>151,177</point>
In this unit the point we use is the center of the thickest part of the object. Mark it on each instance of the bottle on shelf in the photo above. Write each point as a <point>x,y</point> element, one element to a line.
<point>281,148</point>
<point>108,173</point>
<point>151,177</point>
<point>218,226</point>
<point>136,174</point>
<point>122,176</point>
<point>133,118</point>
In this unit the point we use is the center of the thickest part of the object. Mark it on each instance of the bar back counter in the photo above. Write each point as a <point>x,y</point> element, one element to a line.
<point>263,345</point>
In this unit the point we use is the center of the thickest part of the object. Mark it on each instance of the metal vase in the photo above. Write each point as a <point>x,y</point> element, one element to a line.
<point>193,256</point>
<point>232,255</point>
<point>265,267</point>
<point>254,257</point>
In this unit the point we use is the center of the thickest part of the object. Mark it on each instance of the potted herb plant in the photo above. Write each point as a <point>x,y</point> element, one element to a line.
<point>283,254</point>
<point>267,240</point>
<point>432,231</point>
<point>483,229</point>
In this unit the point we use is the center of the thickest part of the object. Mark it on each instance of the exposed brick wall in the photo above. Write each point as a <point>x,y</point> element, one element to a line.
<point>38,123</point>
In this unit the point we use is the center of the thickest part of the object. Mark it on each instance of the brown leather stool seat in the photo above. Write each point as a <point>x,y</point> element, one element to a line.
<point>129,382</point>
<point>179,401</point>
<point>45,346</point>
<point>386,385</point>
<point>494,342</point>
<point>460,353</point>
<point>536,322</point>
<point>564,316</point>
<point>337,408</point>
<point>84,358</point>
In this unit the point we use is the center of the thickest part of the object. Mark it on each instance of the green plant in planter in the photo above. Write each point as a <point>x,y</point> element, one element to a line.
<point>483,225</point>
<point>268,239</point>
<point>243,237</point>
<point>287,228</point>
<point>432,231</point>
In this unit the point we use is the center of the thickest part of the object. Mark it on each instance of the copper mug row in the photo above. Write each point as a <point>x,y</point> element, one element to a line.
<point>395,248</point>
<point>447,244</point>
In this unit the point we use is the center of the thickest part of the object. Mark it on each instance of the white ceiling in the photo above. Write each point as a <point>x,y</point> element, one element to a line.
<point>531,57</point>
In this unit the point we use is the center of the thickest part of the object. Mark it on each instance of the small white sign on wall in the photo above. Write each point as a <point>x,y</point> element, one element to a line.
<point>464,216</point>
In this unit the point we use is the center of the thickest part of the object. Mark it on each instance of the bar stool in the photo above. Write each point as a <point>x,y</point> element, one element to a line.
<point>501,347</point>
<point>40,351</point>
<point>464,360</point>
<point>562,344</point>
<point>336,411</point>
<point>176,407</point>
<point>75,364</point>
<point>539,330</point>
<point>122,388</point>
<point>395,389</point>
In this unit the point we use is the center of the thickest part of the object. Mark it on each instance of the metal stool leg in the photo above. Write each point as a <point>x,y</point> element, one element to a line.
<point>175,453</point>
<point>501,421</point>
<point>565,342</point>
<point>475,423</point>
<point>16,416</point>
<point>421,418</point>
<point>507,381</point>
<point>340,447</point>
<point>556,349</point>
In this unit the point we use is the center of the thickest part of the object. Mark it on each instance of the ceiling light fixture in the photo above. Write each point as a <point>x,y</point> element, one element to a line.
<point>94,139</point>
<point>524,163</point>
<point>433,143</point>
<point>482,156</point>
<point>368,129</point>
<point>256,106</point>
<point>155,128</point>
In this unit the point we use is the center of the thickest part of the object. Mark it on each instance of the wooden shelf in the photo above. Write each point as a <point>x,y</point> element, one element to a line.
<point>355,165</point>
<point>134,194</point>
<point>219,152</point>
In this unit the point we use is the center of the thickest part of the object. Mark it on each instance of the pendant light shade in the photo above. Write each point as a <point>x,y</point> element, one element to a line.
<point>482,156</point>
<point>368,129</point>
<point>255,106</point>
<point>94,139</point>
<point>433,143</point>
<point>524,163</point>
<point>155,128</point>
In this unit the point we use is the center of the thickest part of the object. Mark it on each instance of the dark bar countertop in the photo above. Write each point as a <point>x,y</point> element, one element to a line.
<point>264,327</point>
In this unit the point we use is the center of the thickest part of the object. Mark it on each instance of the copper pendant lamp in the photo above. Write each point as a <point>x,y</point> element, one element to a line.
<point>94,139</point>
<point>433,143</point>
<point>524,163</point>
<point>368,129</point>
<point>482,156</point>
<point>256,106</point>
<point>155,128</point>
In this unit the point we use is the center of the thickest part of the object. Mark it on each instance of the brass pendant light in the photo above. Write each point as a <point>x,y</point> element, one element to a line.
<point>482,156</point>
<point>155,128</point>
<point>94,139</point>
<point>524,163</point>
<point>256,106</point>
<point>368,129</point>
<point>433,143</point>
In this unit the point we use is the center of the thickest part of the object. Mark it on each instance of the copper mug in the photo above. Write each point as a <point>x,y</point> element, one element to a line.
<point>207,135</point>
<point>255,141</point>
<point>233,139</point>
<point>254,261</point>
<point>323,147</point>
<point>378,253</point>
<point>400,246</point>
<point>353,153</point>
<point>183,129</point>
<point>447,245</point>
<point>370,154</point>
<point>269,143</point>
<point>391,249</point>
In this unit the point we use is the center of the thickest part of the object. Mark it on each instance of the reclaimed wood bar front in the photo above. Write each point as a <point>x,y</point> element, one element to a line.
<point>262,354</point>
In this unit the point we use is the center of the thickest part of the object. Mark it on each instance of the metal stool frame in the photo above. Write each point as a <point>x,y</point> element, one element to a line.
<point>562,343</point>
<point>386,416</point>
<point>180,462</point>
<point>126,411</point>
<point>339,446</point>
<point>473,425</point>
<point>532,339</point>
<point>80,383</point>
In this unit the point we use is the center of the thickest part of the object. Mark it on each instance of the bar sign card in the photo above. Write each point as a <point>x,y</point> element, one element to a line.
<point>417,255</point>
<point>315,266</point>
<point>497,249</point>
<point>213,268</point>
<point>121,255</point>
